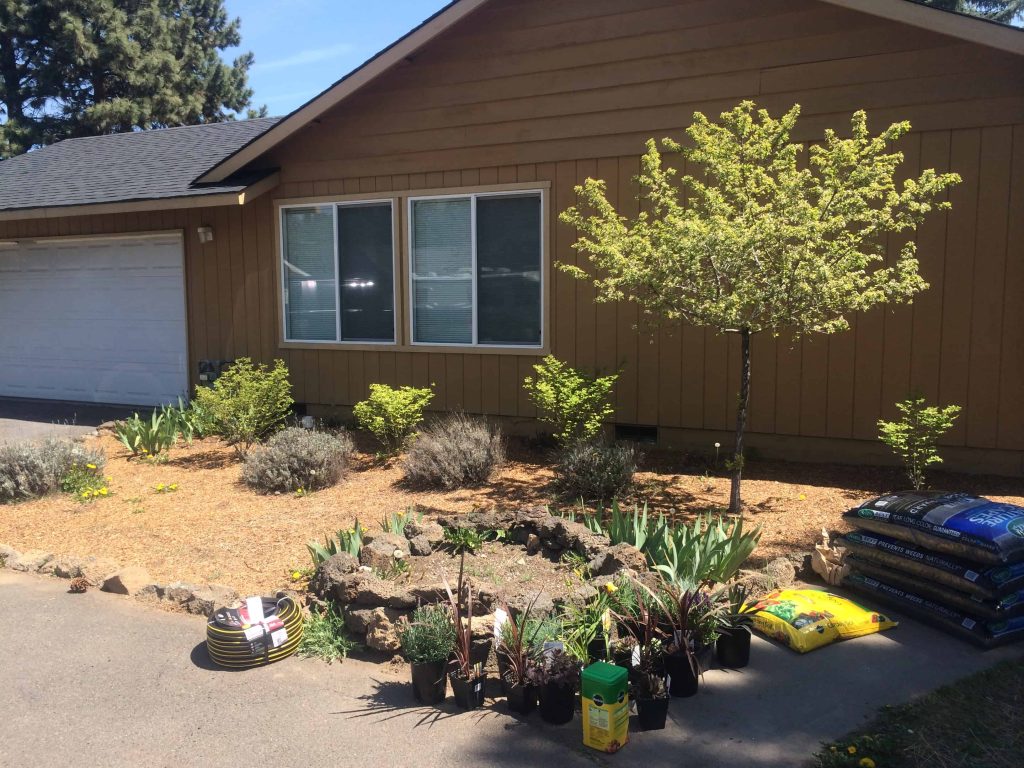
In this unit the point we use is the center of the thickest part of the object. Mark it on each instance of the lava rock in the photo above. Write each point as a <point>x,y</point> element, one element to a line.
<point>346,589</point>
<point>209,599</point>
<point>330,572</point>
<point>781,571</point>
<point>30,561</point>
<point>616,558</point>
<point>540,604</point>
<point>380,552</point>
<point>420,545</point>
<point>358,619</point>
<point>430,529</point>
<point>384,630</point>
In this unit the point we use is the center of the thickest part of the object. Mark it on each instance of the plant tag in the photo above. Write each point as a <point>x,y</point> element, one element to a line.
<point>550,646</point>
<point>500,617</point>
<point>279,638</point>
<point>254,609</point>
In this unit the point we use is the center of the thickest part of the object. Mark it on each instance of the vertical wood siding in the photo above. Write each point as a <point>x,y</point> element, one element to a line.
<point>530,90</point>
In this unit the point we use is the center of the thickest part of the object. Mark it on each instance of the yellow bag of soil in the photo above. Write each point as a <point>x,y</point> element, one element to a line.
<point>805,619</point>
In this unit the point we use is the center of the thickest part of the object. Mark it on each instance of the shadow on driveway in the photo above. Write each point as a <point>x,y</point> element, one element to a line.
<point>38,419</point>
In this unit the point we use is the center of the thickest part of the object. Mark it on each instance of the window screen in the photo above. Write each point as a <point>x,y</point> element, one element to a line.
<point>476,270</point>
<point>366,272</point>
<point>309,276</point>
<point>442,271</point>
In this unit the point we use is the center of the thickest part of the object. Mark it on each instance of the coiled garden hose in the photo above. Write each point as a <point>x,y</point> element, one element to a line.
<point>235,643</point>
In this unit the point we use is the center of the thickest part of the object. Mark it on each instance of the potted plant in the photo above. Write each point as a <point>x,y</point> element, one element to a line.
<point>733,646</point>
<point>427,643</point>
<point>694,619</point>
<point>648,680</point>
<point>467,676</point>
<point>587,626</point>
<point>516,649</point>
<point>557,677</point>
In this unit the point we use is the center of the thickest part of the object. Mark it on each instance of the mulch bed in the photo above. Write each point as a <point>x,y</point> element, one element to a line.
<point>214,529</point>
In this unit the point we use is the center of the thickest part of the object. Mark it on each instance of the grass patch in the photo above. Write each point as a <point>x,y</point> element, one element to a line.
<point>324,636</point>
<point>977,722</point>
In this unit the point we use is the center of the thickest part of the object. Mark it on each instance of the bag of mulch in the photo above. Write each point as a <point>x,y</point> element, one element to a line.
<point>1008,606</point>
<point>955,523</point>
<point>806,619</point>
<point>986,582</point>
<point>988,634</point>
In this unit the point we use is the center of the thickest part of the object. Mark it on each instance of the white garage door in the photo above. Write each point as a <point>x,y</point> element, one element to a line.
<point>94,319</point>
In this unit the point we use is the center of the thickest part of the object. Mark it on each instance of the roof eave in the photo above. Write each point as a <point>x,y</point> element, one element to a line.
<point>958,25</point>
<point>237,197</point>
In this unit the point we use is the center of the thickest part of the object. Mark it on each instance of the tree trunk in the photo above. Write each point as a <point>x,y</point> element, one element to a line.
<point>741,424</point>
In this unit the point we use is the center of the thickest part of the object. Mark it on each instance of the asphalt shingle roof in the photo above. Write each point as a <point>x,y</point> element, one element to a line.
<point>144,165</point>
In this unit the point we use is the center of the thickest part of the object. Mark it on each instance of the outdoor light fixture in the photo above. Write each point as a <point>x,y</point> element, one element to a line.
<point>205,234</point>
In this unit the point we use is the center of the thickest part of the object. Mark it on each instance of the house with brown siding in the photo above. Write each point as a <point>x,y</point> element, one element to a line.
<point>402,226</point>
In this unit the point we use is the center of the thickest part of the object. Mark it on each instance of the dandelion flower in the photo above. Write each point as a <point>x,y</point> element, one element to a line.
<point>609,588</point>
<point>173,486</point>
<point>104,491</point>
<point>851,749</point>
<point>802,496</point>
<point>85,494</point>
<point>866,762</point>
<point>90,466</point>
<point>296,575</point>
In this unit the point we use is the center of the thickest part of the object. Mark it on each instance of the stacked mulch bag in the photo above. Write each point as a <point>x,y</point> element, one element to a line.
<point>952,559</point>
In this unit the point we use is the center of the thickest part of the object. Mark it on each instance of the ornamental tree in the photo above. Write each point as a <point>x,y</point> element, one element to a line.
<point>756,241</point>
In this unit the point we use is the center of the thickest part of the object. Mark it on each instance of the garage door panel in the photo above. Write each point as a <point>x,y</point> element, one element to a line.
<point>96,321</point>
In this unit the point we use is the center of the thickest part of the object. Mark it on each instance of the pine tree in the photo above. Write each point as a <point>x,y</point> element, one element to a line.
<point>90,67</point>
<point>1003,11</point>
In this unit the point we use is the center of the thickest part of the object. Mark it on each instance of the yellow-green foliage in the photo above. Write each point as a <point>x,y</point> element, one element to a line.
<point>756,241</point>
<point>915,436</point>
<point>572,402</point>
<point>247,403</point>
<point>393,415</point>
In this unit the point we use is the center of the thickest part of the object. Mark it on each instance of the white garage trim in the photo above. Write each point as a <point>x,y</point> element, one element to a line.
<point>94,318</point>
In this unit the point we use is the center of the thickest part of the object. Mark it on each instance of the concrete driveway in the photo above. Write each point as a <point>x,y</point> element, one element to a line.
<point>39,419</point>
<point>90,680</point>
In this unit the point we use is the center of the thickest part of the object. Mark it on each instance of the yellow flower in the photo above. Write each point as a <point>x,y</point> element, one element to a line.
<point>91,466</point>
<point>609,588</point>
<point>866,762</point>
<point>107,479</point>
<point>296,575</point>
<point>104,491</point>
<point>85,494</point>
<point>159,486</point>
<point>851,749</point>
<point>803,497</point>
<point>173,486</point>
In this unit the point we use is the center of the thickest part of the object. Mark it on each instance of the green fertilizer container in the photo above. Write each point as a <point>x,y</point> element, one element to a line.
<point>605,694</point>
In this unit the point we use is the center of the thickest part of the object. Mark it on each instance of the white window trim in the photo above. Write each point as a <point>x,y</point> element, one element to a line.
<point>473,196</point>
<point>395,299</point>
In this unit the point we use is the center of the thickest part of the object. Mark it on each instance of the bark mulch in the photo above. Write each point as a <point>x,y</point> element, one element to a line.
<point>214,529</point>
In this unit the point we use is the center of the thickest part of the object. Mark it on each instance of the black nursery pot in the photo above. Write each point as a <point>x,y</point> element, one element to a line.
<point>597,649</point>
<point>468,694</point>
<point>557,703</point>
<point>521,698</point>
<point>429,682</point>
<point>652,713</point>
<point>683,681</point>
<point>733,648</point>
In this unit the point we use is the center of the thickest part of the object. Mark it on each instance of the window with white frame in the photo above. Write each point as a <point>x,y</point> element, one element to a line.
<point>476,267</point>
<point>338,272</point>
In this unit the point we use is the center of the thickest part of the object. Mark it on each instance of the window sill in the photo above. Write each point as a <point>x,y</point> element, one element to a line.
<point>424,349</point>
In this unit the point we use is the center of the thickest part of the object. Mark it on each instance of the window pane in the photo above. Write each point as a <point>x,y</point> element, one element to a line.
<point>442,271</point>
<point>365,269</point>
<point>310,314</point>
<point>508,268</point>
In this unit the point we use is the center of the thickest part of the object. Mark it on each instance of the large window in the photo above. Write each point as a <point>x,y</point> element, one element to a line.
<point>476,267</point>
<point>338,273</point>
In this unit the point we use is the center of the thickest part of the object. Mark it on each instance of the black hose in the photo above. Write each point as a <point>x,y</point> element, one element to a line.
<point>231,642</point>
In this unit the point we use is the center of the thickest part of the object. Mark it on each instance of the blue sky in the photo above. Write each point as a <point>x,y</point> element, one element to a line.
<point>302,46</point>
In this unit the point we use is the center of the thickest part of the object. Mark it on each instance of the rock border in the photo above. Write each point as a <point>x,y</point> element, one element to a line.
<point>108,576</point>
<point>376,609</point>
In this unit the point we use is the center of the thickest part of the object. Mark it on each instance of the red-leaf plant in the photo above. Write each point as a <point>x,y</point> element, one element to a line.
<point>462,622</point>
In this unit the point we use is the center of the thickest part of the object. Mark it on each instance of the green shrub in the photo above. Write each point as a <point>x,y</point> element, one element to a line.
<point>393,415</point>
<point>430,637</point>
<point>247,403</point>
<point>915,436</point>
<point>595,470</point>
<point>461,540</point>
<point>29,470</point>
<point>297,460</point>
<point>573,403</point>
<point>455,451</point>
<point>324,635</point>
